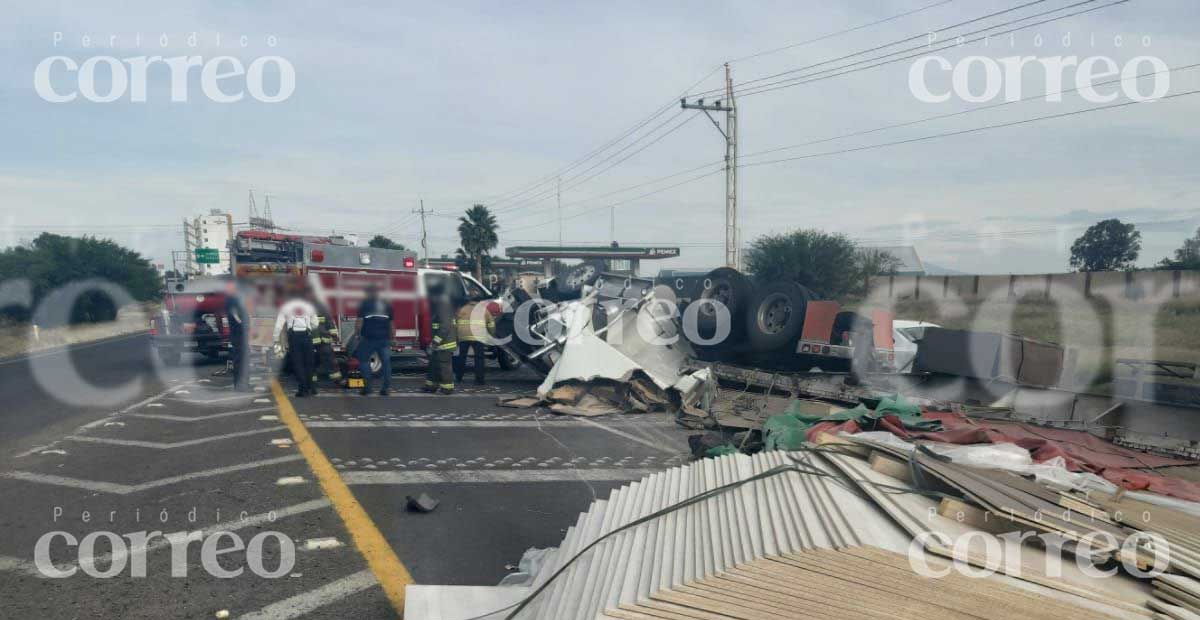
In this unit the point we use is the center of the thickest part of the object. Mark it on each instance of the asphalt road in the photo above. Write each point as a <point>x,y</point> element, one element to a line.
<point>123,445</point>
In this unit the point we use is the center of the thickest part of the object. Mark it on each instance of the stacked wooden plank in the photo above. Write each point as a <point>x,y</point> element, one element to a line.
<point>794,545</point>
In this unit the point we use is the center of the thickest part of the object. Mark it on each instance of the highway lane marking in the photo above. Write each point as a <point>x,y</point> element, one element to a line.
<point>307,602</point>
<point>158,445</point>
<point>17,565</point>
<point>11,564</point>
<point>182,418</point>
<point>495,476</point>
<point>580,423</point>
<point>117,488</point>
<point>220,399</point>
<point>424,395</point>
<point>141,403</point>
<point>388,570</point>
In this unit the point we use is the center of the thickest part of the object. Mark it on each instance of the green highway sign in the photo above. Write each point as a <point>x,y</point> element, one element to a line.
<point>208,256</point>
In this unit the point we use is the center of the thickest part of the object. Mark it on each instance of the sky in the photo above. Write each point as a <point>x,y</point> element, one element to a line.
<point>456,103</point>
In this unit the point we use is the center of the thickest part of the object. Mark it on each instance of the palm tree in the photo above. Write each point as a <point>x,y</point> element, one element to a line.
<point>477,232</point>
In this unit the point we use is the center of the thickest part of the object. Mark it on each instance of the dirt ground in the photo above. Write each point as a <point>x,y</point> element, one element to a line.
<point>19,338</point>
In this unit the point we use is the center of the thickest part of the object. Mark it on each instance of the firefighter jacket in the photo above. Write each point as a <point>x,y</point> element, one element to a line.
<point>444,332</point>
<point>474,325</point>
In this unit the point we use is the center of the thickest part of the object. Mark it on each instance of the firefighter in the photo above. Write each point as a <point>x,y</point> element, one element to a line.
<point>323,342</point>
<point>474,334</point>
<point>299,318</point>
<point>440,376</point>
<point>374,331</point>
<point>238,320</point>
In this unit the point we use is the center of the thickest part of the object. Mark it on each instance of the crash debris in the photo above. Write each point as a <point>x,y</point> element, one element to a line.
<point>828,531</point>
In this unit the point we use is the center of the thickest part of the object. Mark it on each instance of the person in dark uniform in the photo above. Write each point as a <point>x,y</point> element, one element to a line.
<point>326,361</point>
<point>440,376</point>
<point>239,335</point>
<point>374,331</point>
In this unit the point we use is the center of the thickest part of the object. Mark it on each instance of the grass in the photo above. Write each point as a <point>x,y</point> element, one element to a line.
<point>1101,330</point>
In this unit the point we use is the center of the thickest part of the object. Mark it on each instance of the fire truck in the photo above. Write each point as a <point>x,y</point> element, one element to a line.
<point>339,273</point>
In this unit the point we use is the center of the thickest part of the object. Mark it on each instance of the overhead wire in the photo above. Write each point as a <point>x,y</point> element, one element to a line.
<point>922,35</point>
<point>514,194</point>
<point>919,51</point>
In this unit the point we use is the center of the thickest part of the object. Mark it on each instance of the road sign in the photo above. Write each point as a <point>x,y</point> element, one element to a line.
<point>208,256</point>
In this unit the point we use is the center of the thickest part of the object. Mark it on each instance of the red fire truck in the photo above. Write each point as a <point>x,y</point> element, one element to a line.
<point>268,265</point>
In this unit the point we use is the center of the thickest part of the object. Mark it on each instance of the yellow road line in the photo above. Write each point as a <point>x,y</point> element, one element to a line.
<point>382,560</point>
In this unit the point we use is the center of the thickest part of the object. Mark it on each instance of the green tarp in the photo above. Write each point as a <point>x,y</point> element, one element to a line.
<point>788,431</point>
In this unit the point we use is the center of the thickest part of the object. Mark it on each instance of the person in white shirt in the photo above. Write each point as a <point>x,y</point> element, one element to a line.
<point>299,318</point>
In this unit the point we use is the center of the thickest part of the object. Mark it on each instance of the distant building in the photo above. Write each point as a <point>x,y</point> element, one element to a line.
<point>208,232</point>
<point>909,263</point>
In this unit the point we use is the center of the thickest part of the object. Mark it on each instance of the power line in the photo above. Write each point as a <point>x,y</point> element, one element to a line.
<point>670,131</point>
<point>550,191</point>
<point>626,201</point>
<point>552,176</point>
<point>923,50</point>
<point>842,32</point>
<point>966,112</point>
<point>859,134</point>
<point>967,131</point>
<point>885,145</point>
<point>915,37</point>
<point>510,195</point>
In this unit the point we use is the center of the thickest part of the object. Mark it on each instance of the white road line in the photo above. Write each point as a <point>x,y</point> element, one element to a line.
<point>125,489</point>
<point>135,443</point>
<point>9,564</point>
<point>306,602</point>
<point>631,437</point>
<point>182,418</point>
<point>499,423</point>
<point>17,565</point>
<point>492,476</point>
<point>208,401</point>
<point>423,395</point>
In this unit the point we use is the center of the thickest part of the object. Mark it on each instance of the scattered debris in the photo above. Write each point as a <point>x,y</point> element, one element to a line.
<point>421,503</point>
<point>316,544</point>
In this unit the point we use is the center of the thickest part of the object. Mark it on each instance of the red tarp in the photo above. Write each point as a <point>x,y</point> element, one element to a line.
<point>1082,451</point>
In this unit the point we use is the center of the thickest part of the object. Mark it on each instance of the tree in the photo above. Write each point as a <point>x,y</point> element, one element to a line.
<point>52,261</point>
<point>1108,245</point>
<point>831,265</point>
<point>477,233</point>
<point>1187,256</point>
<point>380,241</point>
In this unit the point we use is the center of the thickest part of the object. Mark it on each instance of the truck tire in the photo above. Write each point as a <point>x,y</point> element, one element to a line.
<point>775,316</point>
<point>579,276</point>
<point>726,286</point>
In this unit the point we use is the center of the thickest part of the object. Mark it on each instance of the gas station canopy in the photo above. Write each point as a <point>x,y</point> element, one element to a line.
<point>585,252</point>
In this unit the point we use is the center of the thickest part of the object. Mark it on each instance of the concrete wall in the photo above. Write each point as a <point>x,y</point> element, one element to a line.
<point>1150,285</point>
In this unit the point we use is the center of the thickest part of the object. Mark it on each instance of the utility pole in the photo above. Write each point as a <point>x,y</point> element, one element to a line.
<point>558,194</point>
<point>612,225</point>
<point>730,133</point>
<point>424,245</point>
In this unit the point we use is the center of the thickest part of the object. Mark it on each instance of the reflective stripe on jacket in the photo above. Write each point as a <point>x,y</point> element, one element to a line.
<point>472,329</point>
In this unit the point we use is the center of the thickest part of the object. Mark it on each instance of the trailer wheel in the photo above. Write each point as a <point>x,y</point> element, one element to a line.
<point>726,286</point>
<point>579,276</point>
<point>775,316</point>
